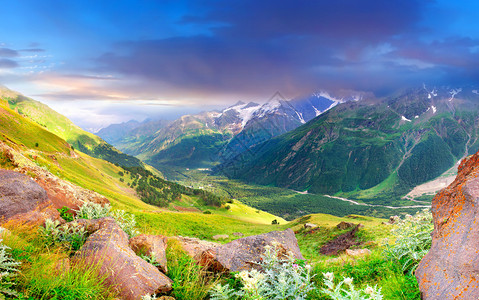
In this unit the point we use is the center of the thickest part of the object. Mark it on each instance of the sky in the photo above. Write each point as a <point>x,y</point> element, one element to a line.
<point>102,62</point>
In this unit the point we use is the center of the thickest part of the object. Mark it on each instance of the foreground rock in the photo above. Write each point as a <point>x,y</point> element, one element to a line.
<point>19,194</point>
<point>153,246</point>
<point>242,254</point>
<point>131,276</point>
<point>193,246</point>
<point>61,192</point>
<point>23,201</point>
<point>451,268</point>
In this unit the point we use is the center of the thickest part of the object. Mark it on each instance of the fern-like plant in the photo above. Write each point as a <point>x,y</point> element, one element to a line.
<point>8,269</point>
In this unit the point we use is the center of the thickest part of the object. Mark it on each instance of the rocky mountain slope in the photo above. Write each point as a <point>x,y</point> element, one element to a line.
<point>204,139</point>
<point>58,124</point>
<point>371,148</point>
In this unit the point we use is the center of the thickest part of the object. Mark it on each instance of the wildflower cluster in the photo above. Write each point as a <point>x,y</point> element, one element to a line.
<point>278,278</point>
<point>412,240</point>
<point>345,290</point>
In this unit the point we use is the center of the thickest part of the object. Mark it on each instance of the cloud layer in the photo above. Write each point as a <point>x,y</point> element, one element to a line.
<point>197,53</point>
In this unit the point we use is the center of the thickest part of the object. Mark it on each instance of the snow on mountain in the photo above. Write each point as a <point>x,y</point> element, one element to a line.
<point>454,92</point>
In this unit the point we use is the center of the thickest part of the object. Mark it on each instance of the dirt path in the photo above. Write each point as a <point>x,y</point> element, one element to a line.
<point>377,205</point>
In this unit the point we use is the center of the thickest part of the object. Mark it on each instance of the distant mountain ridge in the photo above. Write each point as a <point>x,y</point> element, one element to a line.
<point>371,148</point>
<point>207,138</point>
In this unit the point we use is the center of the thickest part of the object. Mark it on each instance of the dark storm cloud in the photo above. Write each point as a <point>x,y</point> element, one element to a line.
<point>263,46</point>
<point>7,63</point>
<point>6,52</point>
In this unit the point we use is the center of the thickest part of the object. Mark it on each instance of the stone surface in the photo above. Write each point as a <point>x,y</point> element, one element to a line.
<point>345,225</point>
<point>238,234</point>
<point>61,192</point>
<point>131,276</point>
<point>241,254</point>
<point>19,194</point>
<point>193,246</point>
<point>451,268</point>
<point>220,237</point>
<point>153,246</point>
<point>358,252</point>
<point>310,225</point>
<point>341,243</point>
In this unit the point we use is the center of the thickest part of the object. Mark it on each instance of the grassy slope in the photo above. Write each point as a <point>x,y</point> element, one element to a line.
<point>102,177</point>
<point>64,128</point>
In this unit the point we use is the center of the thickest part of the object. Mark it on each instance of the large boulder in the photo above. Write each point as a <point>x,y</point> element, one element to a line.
<point>132,277</point>
<point>19,194</point>
<point>193,246</point>
<point>23,201</point>
<point>451,268</point>
<point>242,254</point>
<point>153,246</point>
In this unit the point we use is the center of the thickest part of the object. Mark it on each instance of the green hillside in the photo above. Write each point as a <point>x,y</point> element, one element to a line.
<point>61,126</point>
<point>384,147</point>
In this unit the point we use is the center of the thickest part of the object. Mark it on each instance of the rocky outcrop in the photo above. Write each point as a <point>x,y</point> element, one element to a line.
<point>23,201</point>
<point>242,254</point>
<point>61,192</point>
<point>451,268</point>
<point>19,194</point>
<point>132,277</point>
<point>193,246</point>
<point>153,246</point>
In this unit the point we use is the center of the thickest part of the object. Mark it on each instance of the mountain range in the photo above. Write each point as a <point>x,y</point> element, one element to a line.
<point>207,138</point>
<point>369,149</point>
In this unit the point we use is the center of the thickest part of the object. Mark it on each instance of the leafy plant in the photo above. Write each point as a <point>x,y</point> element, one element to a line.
<point>71,233</point>
<point>8,268</point>
<point>412,240</point>
<point>345,290</point>
<point>92,210</point>
<point>126,221</point>
<point>279,278</point>
<point>65,214</point>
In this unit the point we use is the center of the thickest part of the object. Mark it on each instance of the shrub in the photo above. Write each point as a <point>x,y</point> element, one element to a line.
<point>126,221</point>
<point>278,279</point>
<point>345,290</point>
<point>71,233</point>
<point>91,210</point>
<point>412,240</point>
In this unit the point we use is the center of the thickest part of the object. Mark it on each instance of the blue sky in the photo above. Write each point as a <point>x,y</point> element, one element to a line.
<point>108,61</point>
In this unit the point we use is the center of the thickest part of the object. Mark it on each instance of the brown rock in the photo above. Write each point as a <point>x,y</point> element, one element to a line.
<point>341,243</point>
<point>345,225</point>
<point>61,192</point>
<point>128,274</point>
<point>152,245</point>
<point>193,246</point>
<point>242,254</point>
<point>220,237</point>
<point>19,194</point>
<point>238,234</point>
<point>310,226</point>
<point>450,270</point>
<point>358,252</point>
